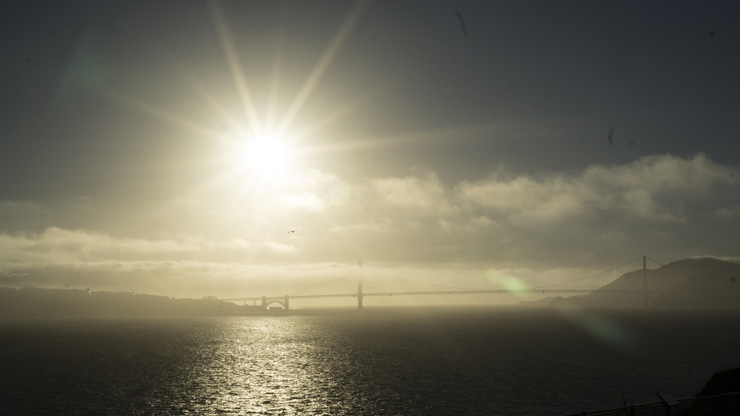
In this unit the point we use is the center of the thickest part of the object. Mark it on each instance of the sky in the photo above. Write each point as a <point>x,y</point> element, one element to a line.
<point>239,149</point>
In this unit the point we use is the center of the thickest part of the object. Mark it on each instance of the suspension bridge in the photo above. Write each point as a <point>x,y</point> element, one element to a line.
<point>582,285</point>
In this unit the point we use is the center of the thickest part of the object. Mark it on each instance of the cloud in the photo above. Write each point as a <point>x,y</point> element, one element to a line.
<point>10,207</point>
<point>728,259</point>
<point>731,213</point>
<point>656,188</point>
<point>57,244</point>
<point>664,206</point>
<point>371,226</point>
<point>524,199</point>
<point>17,215</point>
<point>279,247</point>
<point>311,190</point>
<point>420,195</point>
<point>172,278</point>
<point>235,280</point>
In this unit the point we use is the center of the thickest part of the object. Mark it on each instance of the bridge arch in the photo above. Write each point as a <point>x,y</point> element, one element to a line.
<point>274,301</point>
<point>282,301</point>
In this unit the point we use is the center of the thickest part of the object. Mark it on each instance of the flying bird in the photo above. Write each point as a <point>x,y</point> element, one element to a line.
<point>461,19</point>
<point>291,231</point>
<point>610,137</point>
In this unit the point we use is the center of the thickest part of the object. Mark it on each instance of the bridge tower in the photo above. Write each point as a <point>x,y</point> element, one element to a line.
<point>359,293</point>
<point>644,282</point>
<point>287,303</point>
<point>264,302</point>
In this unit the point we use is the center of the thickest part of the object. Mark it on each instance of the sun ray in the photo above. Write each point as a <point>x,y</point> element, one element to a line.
<point>272,99</point>
<point>333,116</point>
<point>160,114</point>
<point>226,39</point>
<point>330,52</point>
<point>448,136</point>
<point>207,97</point>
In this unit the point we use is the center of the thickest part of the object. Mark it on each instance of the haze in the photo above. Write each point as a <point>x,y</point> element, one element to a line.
<point>233,149</point>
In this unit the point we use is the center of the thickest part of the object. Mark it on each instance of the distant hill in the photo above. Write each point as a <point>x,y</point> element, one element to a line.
<point>691,283</point>
<point>725,381</point>
<point>36,302</point>
<point>544,302</point>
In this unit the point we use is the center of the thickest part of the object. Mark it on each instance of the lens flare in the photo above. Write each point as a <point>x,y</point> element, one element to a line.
<point>511,283</point>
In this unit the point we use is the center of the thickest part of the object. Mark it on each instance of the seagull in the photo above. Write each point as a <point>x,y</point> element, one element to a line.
<point>291,231</point>
<point>462,22</point>
<point>610,137</point>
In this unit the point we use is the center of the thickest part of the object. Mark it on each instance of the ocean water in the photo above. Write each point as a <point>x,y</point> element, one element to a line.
<point>388,362</point>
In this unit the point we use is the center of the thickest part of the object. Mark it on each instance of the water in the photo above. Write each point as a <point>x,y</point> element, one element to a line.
<point>416,362</point>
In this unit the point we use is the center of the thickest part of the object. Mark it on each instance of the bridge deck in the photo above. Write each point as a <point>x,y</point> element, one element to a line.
<point>448,292</point>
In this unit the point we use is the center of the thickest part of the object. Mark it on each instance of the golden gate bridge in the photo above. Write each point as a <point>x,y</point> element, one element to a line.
<point>582,285</point>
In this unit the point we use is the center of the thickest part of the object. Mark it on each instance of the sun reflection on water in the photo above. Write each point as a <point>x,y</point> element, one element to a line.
<point>265,366</point>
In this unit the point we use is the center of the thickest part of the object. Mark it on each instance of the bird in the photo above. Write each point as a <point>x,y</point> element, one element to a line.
<point>610,136</point>
<point>291,231</point>
<point>462,22</point>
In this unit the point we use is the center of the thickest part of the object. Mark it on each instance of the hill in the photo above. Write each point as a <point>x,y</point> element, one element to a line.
<point>691,283</point>
<point>36,302</point>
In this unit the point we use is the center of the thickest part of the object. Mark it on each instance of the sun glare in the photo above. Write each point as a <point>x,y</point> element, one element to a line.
<point>266,156</point>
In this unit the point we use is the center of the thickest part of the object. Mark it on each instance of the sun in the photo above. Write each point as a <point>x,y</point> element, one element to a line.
<point>261,157</point>
<point>266,156</point>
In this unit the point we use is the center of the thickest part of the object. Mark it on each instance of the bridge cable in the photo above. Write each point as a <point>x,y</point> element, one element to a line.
<point>537,287</point>
<point>315,286</point>
<point>587,277</point>
<point>439,285</point>
<point>658,263</point>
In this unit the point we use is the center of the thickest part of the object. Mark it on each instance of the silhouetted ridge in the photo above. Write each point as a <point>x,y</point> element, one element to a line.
<point>704,282</point>
<point>725,381</point>
<point>36,302</point>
